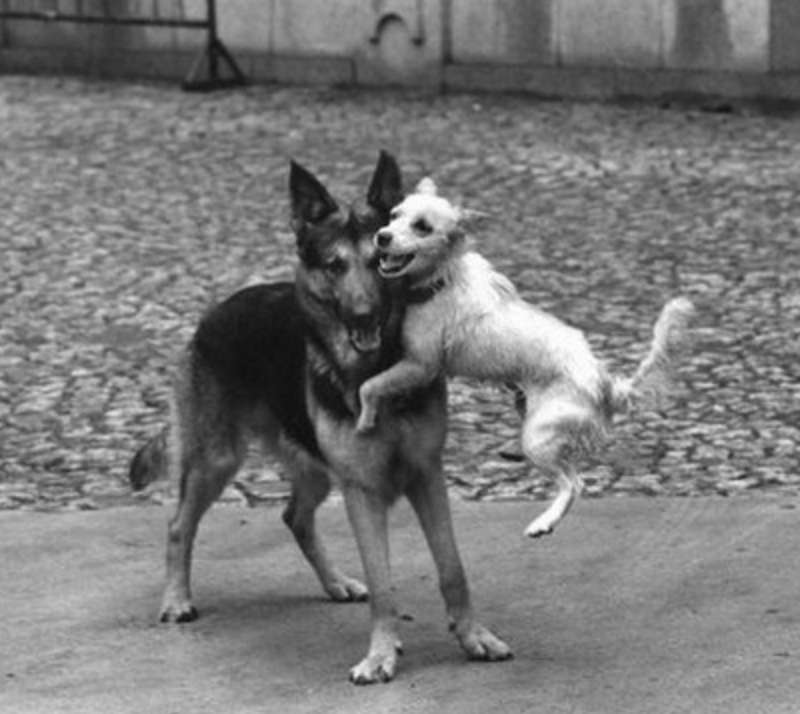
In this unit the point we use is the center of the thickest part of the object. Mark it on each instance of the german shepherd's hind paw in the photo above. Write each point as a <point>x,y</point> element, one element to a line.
<point>377,666</point>
<point>481,644</point>
<point>344,589</point>
<point>178,612</point>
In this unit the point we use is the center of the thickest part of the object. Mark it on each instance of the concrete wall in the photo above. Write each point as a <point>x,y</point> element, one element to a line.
<point>749,45</point>
<point>784,34</point>
<point>731,35</point>
<point>514,32</point>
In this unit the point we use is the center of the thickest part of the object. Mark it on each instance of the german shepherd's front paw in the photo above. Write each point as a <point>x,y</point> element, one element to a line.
<point>344,589</point>
<point>377,666</point>
<point>177,610</point>
<point>481,644</point>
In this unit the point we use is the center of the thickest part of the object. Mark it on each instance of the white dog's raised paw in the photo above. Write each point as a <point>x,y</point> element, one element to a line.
<point>366,421</point>
<point>364,427</point>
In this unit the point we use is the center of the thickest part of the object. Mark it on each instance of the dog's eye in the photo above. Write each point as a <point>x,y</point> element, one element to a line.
<point>394,215</point>
<point>422,227</point>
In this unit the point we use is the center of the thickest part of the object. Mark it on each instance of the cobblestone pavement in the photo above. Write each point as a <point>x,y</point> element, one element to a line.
<point>126,209</point>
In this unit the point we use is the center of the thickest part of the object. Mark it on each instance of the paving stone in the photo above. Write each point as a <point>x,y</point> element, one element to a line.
<point>127,209</point>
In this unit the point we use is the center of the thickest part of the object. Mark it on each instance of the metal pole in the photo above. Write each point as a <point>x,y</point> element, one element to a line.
<point>3,28</point>
<point>213,40</point>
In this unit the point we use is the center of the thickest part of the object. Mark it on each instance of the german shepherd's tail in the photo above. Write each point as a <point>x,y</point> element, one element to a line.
<point>149,463</point>
<point>670,334</point>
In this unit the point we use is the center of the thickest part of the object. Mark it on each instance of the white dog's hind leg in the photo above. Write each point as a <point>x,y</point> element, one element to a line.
<point>570,486</point>
<point>549,435</point>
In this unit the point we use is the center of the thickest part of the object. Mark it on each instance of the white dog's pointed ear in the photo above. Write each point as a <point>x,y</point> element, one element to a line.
<point>427,186</point>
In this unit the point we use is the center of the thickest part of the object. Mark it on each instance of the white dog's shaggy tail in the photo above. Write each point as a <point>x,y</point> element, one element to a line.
<point>652,377</point>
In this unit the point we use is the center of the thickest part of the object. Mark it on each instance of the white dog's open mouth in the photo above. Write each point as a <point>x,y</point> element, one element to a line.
<point>391,266</point>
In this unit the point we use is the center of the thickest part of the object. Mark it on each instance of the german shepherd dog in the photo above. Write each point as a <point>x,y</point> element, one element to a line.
<point>284,362</point>
<point>466,319</point>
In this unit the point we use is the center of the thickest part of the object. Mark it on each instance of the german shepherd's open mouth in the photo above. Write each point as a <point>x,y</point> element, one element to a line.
<point>364,334</point>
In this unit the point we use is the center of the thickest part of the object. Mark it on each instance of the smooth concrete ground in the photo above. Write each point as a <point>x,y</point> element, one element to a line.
<point>634,605</point>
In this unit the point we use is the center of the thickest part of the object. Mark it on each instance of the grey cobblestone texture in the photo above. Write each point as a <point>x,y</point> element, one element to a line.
<point>125,210</point>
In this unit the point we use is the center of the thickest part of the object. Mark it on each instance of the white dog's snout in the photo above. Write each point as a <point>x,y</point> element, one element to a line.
<point>383,238</point>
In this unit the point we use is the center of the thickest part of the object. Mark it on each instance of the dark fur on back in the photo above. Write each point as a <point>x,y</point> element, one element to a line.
<point>254,345</point>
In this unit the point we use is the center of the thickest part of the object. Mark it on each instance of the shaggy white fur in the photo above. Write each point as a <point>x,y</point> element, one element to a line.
<point>473,323</point>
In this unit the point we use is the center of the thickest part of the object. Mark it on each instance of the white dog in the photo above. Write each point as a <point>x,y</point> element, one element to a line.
<point>465,319</point>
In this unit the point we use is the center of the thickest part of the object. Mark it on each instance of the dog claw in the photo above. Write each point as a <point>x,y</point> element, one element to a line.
<point>380,663</point>
<point>188,616</point>
<point>540,527</point>
<point>538,532</point>
<point>178,609</point>
<point>365,674</point>
<point>381,676</point>
<point>345,589</point>
<point>184,613</point>
<point>376,668</point>
<point>481,644</point>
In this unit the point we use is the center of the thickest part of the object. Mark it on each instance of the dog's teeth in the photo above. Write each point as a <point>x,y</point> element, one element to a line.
<point>392,263</point>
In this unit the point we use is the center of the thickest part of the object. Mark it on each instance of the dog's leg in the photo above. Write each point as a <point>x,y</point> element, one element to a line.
<point>570,486</point>
<point>202,483</point>
<point>428,496</point>
<point>549,438</point>
<point>400,378</point>
<point>367,511</point>
<point>310,487</point>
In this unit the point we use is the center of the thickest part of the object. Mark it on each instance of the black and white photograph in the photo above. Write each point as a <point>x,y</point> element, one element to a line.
<point>399,356</point>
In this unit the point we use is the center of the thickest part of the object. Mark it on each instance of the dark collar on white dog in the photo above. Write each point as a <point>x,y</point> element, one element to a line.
<point>415,296</point>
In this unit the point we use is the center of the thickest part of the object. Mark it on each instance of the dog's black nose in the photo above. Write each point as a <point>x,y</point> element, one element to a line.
<point>383,238</point>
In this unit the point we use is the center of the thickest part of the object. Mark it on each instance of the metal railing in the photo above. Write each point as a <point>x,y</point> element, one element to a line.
<point>213,56</point>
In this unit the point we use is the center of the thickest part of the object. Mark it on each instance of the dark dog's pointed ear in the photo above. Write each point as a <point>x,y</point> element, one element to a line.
<point>311,202</point>
<point>386,188</point>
